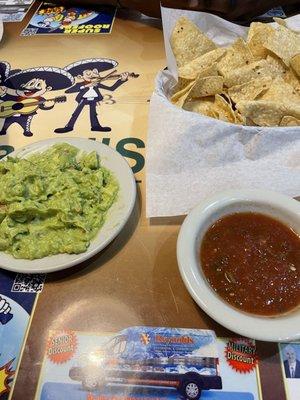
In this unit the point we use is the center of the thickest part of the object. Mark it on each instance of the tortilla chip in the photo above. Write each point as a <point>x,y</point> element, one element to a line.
<point>257,36</point>
<point>289,121</point>
<point>188,42</point>
<point>227,97</point>
<point>295,64</point>
<point>196,66</point>
<point>267,113</point>
<point>180,96</point>
<point>181,84</point>
<point>184,82</point>
<point>239,118</point>
<point>276,64</point>
<point>282,21</point>
<point>279,21</point>
<point>223,109</point>
<point>214,107</point>
<point>256,45</point>
<point>206,86</point>
<point>280,69</point>
<point>237,55</point>
<point>246,73</point>
<point>249,122</point>
<point>284,43</point>
<point>249,90</point>
<point>251,83</point>
<point>291,78</point>
<point>201,106</point>
<point>281,92</point>
<point>211,70</point>
<point>254,28</point>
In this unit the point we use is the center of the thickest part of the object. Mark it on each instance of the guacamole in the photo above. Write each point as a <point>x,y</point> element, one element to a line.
<point>53,202</point>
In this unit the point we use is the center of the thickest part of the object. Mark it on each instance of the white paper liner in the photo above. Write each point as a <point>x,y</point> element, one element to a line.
<point>190,156</point>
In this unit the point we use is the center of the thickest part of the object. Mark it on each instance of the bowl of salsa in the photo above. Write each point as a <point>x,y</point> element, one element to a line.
<point>239,257</point>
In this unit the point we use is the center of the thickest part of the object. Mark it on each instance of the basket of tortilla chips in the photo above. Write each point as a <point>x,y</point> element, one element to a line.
<point>226,112</point>
<point>253,81</point>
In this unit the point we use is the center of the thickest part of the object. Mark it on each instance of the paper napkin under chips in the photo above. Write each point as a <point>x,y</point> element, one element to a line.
<point>191,157</point>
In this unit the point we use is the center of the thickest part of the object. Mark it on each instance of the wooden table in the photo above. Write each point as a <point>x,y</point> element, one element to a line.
<point>135,280</point>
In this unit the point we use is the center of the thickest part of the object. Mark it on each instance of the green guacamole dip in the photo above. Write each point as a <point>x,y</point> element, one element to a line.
<point>53,202</point>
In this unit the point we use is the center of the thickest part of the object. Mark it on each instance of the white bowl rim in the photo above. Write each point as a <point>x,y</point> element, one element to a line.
<point>279,329</point>
<point>79,258</point>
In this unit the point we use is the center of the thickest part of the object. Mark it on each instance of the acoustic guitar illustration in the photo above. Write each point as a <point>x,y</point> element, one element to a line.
<point>26,106</point>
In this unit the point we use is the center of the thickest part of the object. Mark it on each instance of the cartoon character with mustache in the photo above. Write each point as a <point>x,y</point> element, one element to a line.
<point>88,84</point>
<point>26,89</point>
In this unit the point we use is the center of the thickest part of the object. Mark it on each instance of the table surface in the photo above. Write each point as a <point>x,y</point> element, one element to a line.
<point>135,280</point>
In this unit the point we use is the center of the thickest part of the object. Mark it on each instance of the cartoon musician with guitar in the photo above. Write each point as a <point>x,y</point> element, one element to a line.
<point>23,91</point>
<point>4,72</point>
<point>89,81</point>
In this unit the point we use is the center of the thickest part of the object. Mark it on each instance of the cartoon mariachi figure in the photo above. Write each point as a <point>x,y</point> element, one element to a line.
<point>4,72</point>
<point>89,79</point>
<point>24,92</point>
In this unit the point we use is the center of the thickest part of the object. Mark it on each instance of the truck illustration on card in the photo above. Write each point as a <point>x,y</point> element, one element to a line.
<point>185,360</point>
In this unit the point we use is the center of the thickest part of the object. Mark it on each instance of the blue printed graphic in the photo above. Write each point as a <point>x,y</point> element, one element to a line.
<point>25,296</point>
<point>12,334</point>
<point>183,359</point>
<point>17,297</point>
<point>54,19</point>
<point>146,363</point>
<point>148,342</point>
<point>5,314</point>
<point>64,391</point>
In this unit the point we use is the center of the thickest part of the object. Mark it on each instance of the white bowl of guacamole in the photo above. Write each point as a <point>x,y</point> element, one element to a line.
<point>61,201</point>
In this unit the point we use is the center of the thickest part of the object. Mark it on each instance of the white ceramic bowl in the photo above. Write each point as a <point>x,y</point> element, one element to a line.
<point>283,208</point>
<point>116,217</point>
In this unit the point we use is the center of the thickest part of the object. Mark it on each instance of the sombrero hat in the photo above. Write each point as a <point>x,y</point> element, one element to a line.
<point>102,64</point>
<point>4,70</point>
<point>55,77</point>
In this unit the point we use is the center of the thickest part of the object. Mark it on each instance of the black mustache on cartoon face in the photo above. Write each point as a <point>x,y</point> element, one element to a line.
<point>29,91</point>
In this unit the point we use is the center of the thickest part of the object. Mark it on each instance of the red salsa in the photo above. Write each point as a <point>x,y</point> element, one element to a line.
<point>253,262</point>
